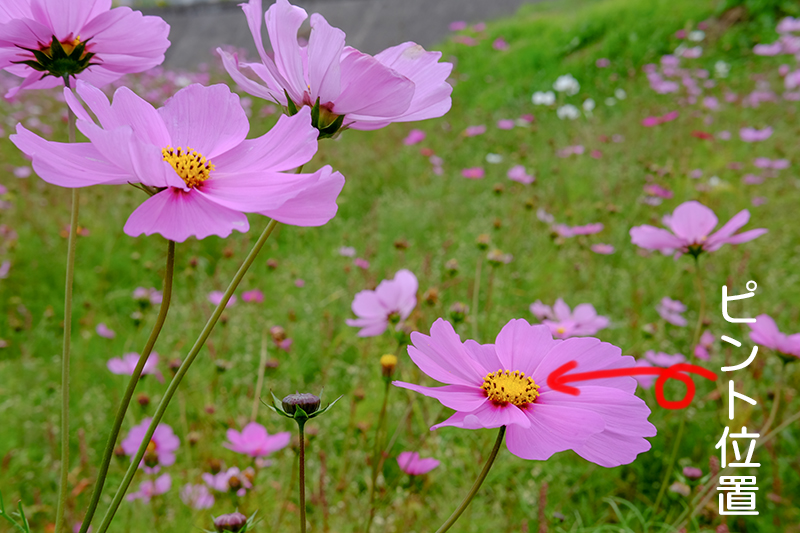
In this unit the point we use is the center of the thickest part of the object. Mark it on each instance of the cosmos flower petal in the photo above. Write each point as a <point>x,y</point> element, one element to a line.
<point>745,236</point>
<point>522,346</point>
<point>370,327</point>
<point>325,46</point>
<point>443,353</point>
<point>255,192</point>
<point>313,206</point>
<point>654,238</point>
<point>488,415</point>
<point>234,68</point>
<point>68,164</point>
<point>692,221</point>
<point>370,89</point>
<point>610,449</point>
<point>210,120</point>
<point>292,142</point>
<point>552,429</point>
<point>484,354</point>
<point>283,21</point>
<point>131,110</point>
<point>178,215</point>
<point>590,354</point>
<point>458,397</point>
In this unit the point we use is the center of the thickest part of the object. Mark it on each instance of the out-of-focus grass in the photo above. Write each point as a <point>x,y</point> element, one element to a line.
<point>391,195</point>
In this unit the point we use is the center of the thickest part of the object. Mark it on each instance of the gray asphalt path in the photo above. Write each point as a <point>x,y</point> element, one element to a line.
<point>371,25</point>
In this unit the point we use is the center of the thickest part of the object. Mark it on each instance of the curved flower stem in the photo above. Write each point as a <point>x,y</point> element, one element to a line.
<point>695,339</point>
<point>376,453</point>
<point>300,427</point>
<point>108,452</point>
<point>65,346</point>
<point>477,485</point>
<point>262,365</point>
<point>184,368</point>
<point>776,402</point>
<point>476,293</point>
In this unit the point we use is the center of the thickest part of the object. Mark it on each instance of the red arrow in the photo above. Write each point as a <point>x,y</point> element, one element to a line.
<point>557,379</point>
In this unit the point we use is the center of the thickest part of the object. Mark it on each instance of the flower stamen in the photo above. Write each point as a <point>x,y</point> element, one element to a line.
<point>190,165</point>
<point>504,387</point>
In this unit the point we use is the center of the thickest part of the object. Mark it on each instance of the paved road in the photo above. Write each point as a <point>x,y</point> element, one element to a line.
<point>371,25</point>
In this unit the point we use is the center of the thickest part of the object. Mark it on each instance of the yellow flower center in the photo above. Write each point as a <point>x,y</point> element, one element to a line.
<point>560,330</point>
<point>69,46</point>
<point>151,446</point>
<point>504,387</point>
<point>191,166</point>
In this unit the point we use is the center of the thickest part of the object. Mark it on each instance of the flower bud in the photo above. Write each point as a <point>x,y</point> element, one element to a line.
<point>483,241</point>
<point>272,264</point>
<point>215,465</point>
<point>431,296</point>
<point>401,244</point>
<point>498,188</point>
<point>458,312</point>
<point>278,334</point>
<point>451,266</point>
<point>307,402</point>
<point>497,257</point>
<point>143,399</point>
<point>388,364</point>
<point>174,365</point>
<point>230,522</point>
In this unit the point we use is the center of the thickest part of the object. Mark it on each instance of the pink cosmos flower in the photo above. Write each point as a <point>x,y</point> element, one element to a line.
<point>758,200</point>
<point>193,152</point>
<point>505,384</point>
<point>197,496</point>
<point>771,49</point>
<point>414,136</point>
<point>231,480</point>
<point>255,441</point>
<point>671,311</point>
<point>654,189</point>
<point>506,124</point>
<point>500,44</point>
<point>5,268</point>
<point>473,173</point>
<point>765,333</point>
<point>519,174</point>
<point>565,323</point>
<point>22,172</point>
<point>401,84</point>
<point>788,25</point>
<point>664,359</point>
<point>692,472</point>
<point>602,62</point>
<point>603,249</point>
<point>105,331</point>
<point>146,296</point>
<point>122,41</point>
<point>753,135</point>
<point>458,25</point>
<point>347,251</point>
<point>391,301</point>
<point>148,488</point>
<point>473,131</point>
<point>411,464</point>
<point>691,224</point>
<point>215,297</point>
<point>587,229</point>
<point>706,343</point>
<point>361,263</point>
<point>127,364</point>
<point>160,451</point>
<point>255,296</point>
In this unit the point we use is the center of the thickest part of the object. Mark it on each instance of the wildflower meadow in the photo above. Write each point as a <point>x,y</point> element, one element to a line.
<point>540,277</point>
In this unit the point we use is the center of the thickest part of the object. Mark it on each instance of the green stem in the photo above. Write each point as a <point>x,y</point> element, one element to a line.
<point>108,452</point>
<point>301,426</point>
<point>670,465</point>
<point>184,368</point>
<point>477,485</point>
<point>476,291</point>
<point>65,347</point>
<point>776,402</point>
<point>375,456</point>
<point>262,365</point>
<point>695,339</point>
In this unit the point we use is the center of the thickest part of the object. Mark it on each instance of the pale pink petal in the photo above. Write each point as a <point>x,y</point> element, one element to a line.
<point>210,120</point>
<point>313,206</point>
<point>653,238</point>
<point>457,397</point>
<point>693,221</point>
<point>370,89</point>
<point>178,215</point>
<point>553,429</point>
<point>521,346</point>
<point>442,356</point>
<point>488,415</point>
<point>283,21</point>
<point>325,46</point>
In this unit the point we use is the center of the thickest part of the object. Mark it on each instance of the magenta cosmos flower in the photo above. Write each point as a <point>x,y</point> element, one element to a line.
<point>411,464</point>
<point>103,43</point>
<point>160,450</point>
<point>231,480</point>
<point>765,332</point>
<point>564,322</point>
<point>126,364</point>
<point>401,84</point>
<point>193,154</point>
<point>197,496</point>
<point>255,441</point>
<point>505,384</point>
<point>672,311</point>
<point>391,301</point>
<point>148,488</point>
<point>690,228</point>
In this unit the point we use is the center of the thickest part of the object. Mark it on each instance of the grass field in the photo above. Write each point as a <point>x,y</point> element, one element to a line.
<point>398,213</point>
